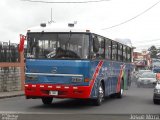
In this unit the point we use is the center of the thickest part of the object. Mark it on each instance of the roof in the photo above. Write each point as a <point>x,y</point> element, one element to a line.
<point>59,27</point>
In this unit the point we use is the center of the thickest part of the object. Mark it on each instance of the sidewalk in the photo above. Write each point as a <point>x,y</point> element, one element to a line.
<point>11,94</point>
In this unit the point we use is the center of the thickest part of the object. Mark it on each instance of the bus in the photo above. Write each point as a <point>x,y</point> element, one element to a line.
<point>74,62</point>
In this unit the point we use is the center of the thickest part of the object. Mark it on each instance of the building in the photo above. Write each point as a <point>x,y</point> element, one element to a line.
<point>142,60</point>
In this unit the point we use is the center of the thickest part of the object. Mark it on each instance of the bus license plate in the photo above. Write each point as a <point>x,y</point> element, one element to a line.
<point>53,92</point>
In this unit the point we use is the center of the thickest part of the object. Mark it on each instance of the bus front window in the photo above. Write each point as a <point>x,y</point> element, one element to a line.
<point>57,46</point>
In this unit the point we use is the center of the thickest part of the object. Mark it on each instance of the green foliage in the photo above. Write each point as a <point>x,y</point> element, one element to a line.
<point>153,50</point>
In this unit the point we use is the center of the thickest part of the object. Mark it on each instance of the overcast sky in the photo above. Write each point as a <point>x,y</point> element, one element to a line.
<point>16,16</point>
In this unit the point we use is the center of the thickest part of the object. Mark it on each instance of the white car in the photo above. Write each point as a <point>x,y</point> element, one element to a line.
<point>146,79</point>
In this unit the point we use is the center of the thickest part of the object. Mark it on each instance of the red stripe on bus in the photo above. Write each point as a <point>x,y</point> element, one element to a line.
<point>96,73</point>
<point>119,78</point>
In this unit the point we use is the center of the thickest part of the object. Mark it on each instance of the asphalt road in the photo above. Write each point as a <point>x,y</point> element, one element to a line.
<point>135,101</point>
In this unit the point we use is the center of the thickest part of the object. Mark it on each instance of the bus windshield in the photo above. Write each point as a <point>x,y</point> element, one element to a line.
<point>58,45</point>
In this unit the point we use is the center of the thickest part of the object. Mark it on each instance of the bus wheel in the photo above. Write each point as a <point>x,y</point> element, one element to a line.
<point>155,101</point>
<point>47,100</point>
<point>120,93</point>
<point>99,99</point>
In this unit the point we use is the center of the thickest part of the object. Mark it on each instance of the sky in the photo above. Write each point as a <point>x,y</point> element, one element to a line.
<point>16,16</point>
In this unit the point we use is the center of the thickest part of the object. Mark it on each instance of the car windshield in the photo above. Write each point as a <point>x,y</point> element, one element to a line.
<point>148,75</point>
<point>58,45</point>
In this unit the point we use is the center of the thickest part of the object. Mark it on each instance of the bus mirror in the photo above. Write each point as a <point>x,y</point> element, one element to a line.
<point>95,44</point>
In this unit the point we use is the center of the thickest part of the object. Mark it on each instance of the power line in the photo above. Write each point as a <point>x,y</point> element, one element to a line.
<point>148,42</point>
<point>152,40</point>
<point>65,2</point>
<point>138,15</point>
<point>144,46</point>
<point>139,45</point>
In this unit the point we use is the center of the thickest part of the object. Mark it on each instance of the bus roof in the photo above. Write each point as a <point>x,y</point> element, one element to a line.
<point>64,27</point>
<point>59,27</point>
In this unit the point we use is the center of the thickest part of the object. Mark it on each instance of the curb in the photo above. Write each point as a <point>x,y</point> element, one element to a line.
<point>10,96</point>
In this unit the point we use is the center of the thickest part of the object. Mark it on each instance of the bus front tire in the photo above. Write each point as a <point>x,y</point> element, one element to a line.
<point>47,100</point>
<point>100,97</point>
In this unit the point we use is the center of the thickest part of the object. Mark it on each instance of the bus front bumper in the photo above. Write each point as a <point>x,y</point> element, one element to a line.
<point>56,91</point>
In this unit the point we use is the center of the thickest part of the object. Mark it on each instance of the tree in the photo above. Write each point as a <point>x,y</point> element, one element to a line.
<point>153,51</point>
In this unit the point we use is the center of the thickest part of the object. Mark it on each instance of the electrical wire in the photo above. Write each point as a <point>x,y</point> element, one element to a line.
<point>65,2</point>
<point>126,21</point>
<point>139,45</point>
<point>113,26</point>
<point>146,46</point>
<point>152,40</point>
<point>148,42</point>
<point>138,15</point>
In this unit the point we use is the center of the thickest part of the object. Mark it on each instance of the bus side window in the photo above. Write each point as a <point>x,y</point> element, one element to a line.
<point>114,50</point>
<point>108,49</point>
<point>124,54</point>
<point>100,53</point>
<point>128,54</point>
<point>95,44</point>
<point>120,48</point>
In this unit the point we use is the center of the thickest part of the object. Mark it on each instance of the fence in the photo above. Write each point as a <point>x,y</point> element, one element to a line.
<point>9,52</point>
<point>11,67</point>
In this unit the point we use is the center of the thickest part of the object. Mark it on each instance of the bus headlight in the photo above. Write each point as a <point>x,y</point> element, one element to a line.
<point>77,79</point>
